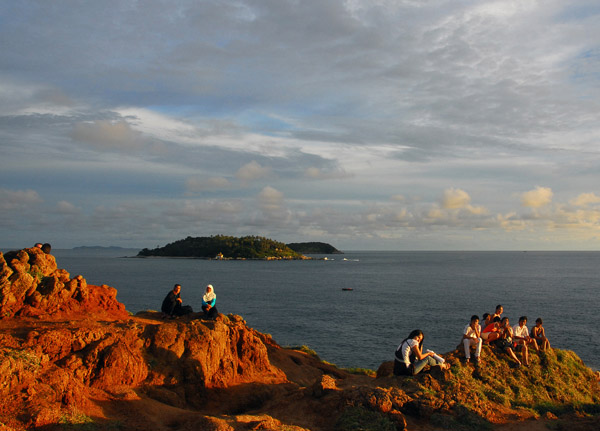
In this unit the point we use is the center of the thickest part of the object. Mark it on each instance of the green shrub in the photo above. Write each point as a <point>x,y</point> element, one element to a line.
<point>361,371</point>
<point>361,419</point>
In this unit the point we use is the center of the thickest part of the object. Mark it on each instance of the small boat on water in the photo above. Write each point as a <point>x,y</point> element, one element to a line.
<point>347,288</point>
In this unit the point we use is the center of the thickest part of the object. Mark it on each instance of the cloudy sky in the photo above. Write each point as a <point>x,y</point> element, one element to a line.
<point>368,124</point>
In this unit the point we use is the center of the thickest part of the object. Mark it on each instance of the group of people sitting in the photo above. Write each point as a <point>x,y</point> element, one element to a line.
<point>410,359</point>
<point>497,331</point>
<point>173,306</point>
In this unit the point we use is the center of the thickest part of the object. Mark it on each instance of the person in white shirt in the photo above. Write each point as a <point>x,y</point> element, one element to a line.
<point>522,338</point>
<point>409,356</point>
<point>472,337</point>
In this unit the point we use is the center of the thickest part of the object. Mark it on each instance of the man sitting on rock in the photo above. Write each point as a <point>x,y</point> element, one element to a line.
<point>522,338</point>
<point>172,304</point>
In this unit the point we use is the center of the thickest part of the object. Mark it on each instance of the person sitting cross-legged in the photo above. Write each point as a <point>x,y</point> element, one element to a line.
<point>172,304</point>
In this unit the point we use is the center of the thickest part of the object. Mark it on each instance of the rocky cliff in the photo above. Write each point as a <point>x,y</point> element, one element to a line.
<point>71,357</point>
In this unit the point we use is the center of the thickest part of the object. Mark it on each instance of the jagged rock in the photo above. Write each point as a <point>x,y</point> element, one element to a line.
<point>31,285</point>
<point>386,369</point>
<point>324,384</point>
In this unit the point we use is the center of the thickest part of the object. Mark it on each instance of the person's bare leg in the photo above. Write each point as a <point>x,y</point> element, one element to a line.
<point>512,355</point>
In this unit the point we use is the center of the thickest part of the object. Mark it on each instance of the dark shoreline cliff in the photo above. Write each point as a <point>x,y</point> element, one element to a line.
<point>72,357</point>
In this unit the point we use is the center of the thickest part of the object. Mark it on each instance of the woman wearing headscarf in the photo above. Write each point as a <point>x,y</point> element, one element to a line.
<point>208,302</point>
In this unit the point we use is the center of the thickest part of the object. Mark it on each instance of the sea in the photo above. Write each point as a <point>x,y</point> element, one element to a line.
<point>353,309</point>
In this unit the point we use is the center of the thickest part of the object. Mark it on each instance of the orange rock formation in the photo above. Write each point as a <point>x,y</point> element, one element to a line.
<point>71,356</point>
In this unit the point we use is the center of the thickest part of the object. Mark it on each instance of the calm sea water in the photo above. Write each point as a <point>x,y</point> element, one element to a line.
<point>302,302</point>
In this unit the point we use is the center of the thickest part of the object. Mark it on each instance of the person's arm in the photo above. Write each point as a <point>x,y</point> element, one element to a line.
<point>419,354</point>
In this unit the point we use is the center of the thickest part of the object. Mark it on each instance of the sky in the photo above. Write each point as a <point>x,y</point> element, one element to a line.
<point>367,124</point>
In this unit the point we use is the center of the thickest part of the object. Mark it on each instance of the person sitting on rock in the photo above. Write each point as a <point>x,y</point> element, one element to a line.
<point>409,356</point>
<point>498,312</point>
<point>208,302</point>
<point>539,335</point>
<point>172,304</point>
<point>491,332</point>
<point>472,337</point>
<point>522,338</point>
<point>505,342</point>
<point>486,319</point>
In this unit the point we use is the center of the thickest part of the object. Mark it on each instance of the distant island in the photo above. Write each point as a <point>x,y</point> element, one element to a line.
<point>314,248</point>
<point>225,247</point>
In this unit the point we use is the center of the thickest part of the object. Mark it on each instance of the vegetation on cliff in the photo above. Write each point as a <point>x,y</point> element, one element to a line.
<point>226,247</point>
<point>313,248</point>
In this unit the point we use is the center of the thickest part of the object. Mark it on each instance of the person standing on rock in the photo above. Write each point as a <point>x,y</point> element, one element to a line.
<point>208,302</point>
<point>172,304</point>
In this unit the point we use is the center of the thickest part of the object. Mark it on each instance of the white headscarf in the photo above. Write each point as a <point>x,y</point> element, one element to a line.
<point>210,294</point>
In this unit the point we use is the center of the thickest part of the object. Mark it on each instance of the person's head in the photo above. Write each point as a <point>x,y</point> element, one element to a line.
<point>539,322</point>
<point>209,288</point>
<point>499,309</point>
<point>504,321</point>
<point>474,320</point>
<point>522,320</point>
<point>177,288</point>
<point>417,334</point>
<point>46,248</point>
<point>38,244</point>
<point>485,316</point>
<point>496,319</point>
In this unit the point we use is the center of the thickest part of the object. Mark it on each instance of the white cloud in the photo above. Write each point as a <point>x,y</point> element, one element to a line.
<point>455,198</point>
<point>18,199</point>
<point>396,98</point>
<point>537,198</point>
<point>65,207</point>
<point>585,199</point>
<point>107,135</point>
<point>270,199</point>
<point>252,171</point>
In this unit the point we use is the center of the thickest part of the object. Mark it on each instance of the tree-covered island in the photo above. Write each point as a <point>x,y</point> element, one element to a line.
<point>314,248</point>
<point>225,247</point>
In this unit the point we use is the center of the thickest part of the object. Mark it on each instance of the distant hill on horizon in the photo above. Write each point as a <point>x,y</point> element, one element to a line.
<point>314,248</point>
